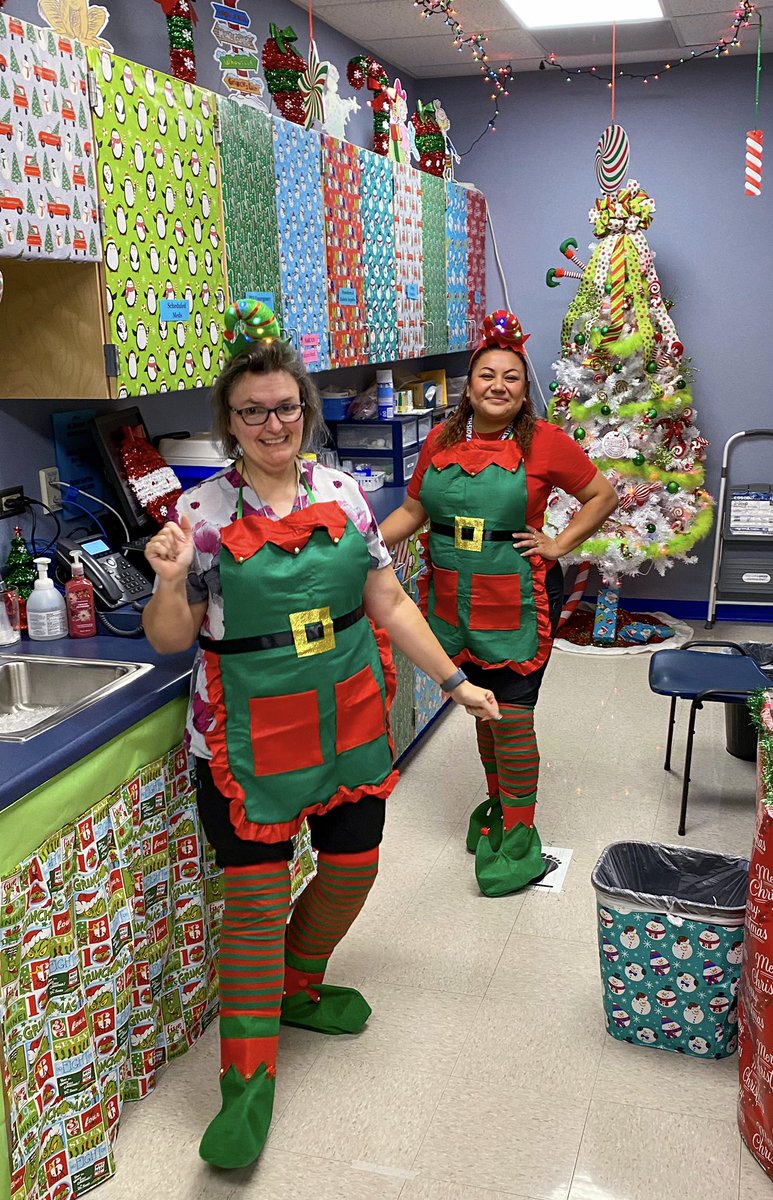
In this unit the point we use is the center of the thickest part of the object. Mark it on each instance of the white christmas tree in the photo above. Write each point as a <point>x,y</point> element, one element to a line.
<point>623,391</point>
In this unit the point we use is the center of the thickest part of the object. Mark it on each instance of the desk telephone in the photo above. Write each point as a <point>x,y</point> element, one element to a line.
<point>115,580</point>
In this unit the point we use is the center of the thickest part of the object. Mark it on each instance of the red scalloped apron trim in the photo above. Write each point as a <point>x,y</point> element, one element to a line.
<point>249,535</point>
<point>473,457</point>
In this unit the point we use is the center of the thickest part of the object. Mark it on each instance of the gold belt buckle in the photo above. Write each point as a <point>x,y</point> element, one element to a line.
<point>468,533</point>
<point>312,631</point>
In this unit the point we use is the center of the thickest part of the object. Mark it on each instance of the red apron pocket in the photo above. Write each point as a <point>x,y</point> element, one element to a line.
<point>360,714</point>
<point>446,585</point>
<point>285,733</point>
<point>495,602</point>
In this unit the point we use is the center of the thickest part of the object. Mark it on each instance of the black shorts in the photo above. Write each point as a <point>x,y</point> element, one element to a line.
<point>507,685</point>
<point>346,829</point>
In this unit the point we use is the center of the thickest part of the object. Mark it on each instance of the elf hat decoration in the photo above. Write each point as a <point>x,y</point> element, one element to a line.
<point>501,331</point>
<point>247,322</point>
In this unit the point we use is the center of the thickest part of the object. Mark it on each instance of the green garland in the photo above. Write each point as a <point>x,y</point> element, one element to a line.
<point>667,404</point>
<point>677,545</point>
<point>756,704</point>
<point>689,480</point>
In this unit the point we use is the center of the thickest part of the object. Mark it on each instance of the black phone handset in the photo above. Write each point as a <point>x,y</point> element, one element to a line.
<point>115,581</point>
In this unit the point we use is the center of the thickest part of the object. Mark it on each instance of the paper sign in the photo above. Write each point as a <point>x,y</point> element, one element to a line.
<point>266,297</point>
<point>412,291</point>
<point>310,347</point>
<point>231,16</point>
<point>239,62</point>
<point>175,310</point>
<point>347,297</point>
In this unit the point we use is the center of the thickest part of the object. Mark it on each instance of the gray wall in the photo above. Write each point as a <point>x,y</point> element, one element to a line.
<point>713,244</point>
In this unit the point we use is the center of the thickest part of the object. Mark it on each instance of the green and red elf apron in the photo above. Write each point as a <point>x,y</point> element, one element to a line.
<point>298,687</point>
<point>484,601</point>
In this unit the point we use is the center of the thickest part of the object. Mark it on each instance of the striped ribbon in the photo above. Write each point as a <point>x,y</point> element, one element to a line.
<point>754,142</point>
<point>617,295</point>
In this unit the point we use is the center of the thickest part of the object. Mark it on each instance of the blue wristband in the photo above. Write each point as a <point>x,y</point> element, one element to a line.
<point>453,681</point>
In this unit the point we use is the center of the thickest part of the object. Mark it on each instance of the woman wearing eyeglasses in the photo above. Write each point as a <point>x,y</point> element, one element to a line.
<point>278,568</point>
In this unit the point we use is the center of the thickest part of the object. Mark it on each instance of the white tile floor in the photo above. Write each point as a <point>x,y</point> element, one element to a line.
<point>485,1071</point>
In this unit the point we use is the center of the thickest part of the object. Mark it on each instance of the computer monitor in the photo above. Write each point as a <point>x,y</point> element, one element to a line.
<point>109,437</point>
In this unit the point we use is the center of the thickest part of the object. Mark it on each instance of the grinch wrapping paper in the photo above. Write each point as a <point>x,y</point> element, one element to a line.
<point>301,219</point>
<point>379,255</point>
<point>342,184</point>
<point>160,184</point>
<point>409,297</point>
<point>476,257</point>
<point>457,252</point>
<point>249,208</point>
<point>48,201</point>
<point>433,239</point>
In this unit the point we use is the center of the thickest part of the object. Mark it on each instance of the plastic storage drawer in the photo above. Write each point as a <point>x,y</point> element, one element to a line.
<point>670,932</point>
<point>397,470</point>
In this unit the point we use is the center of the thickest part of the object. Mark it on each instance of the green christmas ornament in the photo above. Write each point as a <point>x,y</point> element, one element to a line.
<point>652,368</point>
<point>605,410</point>
<point>652,413</point>
<point>605,329</point>
<point>607,288</point>
<point>651,528</point>
<point>672,487</point>
<point>617,367</point>
<point>579,433</point>
<point>580,339</point>
<point>553,385</point>
<point>681,383</point>
<point>639,459</point>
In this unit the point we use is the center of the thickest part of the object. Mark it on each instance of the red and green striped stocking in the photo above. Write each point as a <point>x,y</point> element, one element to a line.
<point>489,811</point>
<point>324,912</point>
<point>509,856</point>
<point>257,901</point>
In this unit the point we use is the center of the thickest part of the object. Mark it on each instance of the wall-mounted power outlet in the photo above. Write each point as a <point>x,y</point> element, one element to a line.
<point>11,501</point>
<point>50,493</point>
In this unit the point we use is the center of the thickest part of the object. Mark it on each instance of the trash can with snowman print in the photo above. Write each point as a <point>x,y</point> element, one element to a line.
<point>670,931</point>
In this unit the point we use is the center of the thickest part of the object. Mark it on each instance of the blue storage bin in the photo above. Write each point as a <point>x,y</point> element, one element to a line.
<point>189,476</point>
<point>670,933</point>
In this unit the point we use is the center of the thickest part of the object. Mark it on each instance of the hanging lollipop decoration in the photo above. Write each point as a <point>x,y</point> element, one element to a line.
<point>312,81</point>
<point>755,138</point>
<point>612,157</point>
<point>180,19</point>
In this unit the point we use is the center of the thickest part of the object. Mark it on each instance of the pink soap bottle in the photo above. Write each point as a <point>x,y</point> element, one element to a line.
<point>79,598</point>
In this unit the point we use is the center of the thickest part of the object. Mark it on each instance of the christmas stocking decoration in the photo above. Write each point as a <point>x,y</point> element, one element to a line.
<point>283,69</point>
<point>150,477</point>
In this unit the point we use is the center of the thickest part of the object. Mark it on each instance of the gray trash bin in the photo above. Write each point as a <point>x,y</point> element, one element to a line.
<point>740,731</point>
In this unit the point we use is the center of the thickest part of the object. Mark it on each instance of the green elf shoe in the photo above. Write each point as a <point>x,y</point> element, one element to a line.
<point>489,813</point>
<point>507,860</point>
<point>238,1133</point>
<point>338,1009</point>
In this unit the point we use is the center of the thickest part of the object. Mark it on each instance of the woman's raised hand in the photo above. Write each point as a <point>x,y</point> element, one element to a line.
<point>170,551</point>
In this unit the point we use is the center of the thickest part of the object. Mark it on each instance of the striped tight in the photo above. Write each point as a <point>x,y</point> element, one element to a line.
<point>510,757</point>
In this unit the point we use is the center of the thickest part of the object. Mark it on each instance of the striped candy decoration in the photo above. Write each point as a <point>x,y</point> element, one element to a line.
<point>754,143</point>
<point>312,85</point>
<point>617,295</point>
<point>612,155</point>
<point>571,602</point>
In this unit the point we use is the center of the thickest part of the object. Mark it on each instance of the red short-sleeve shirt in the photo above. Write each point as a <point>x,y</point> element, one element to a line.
<point>554,460</point>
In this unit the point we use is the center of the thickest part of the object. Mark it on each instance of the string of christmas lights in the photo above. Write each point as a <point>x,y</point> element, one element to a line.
<point>474,42</point>
<point>741,20</point>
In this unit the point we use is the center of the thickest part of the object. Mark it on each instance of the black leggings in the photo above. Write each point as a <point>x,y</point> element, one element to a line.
<point>346,829</point>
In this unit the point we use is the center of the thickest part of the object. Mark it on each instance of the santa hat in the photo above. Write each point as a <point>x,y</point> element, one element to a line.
<point>501,331</point>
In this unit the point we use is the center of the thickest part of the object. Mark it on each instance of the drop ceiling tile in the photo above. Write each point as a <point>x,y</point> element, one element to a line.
<point>597,39</point>
<point>705,31</point>
<point>364,22</point>
<point>696,8</point>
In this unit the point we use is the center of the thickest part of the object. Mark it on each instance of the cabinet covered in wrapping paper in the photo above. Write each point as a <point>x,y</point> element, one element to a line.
<point>379,255</point>
<point>249,202</point>
<point>476,258</point>
<point>160,184</point>
<point>342,184</point>
<point>755,996</point>
<point>409,280</point>
<point>457,251</point>
<point>301,223</point>
<point>48,200</point>
<point>433,242</point>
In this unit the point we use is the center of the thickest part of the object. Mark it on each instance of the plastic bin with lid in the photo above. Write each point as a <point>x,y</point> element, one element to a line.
<point>670,934</point>
<point>193,458</point>
<point>397,470</point>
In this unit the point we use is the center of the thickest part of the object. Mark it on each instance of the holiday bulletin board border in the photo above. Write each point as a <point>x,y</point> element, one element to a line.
<point>48,198</point>
<point>164,244</point>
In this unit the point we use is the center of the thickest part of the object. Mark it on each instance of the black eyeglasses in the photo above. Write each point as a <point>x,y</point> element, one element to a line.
<point>256,414</point>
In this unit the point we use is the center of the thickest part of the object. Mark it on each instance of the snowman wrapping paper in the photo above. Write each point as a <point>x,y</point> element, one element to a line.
<point>433,243</point>
<point>671,935</point>
<point>249,187</point>
<point>379,254</point>
<point>159,180</point>
<point>48,199</point>
<point>457,250</point>
<point>409,279</point>
<point>301,221</point>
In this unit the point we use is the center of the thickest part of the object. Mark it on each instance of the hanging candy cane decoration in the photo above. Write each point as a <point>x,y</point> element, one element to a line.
<point>754,142</point>
<point>571,602</point>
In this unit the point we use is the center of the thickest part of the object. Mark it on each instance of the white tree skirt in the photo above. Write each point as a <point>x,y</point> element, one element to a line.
<point>682,634</point>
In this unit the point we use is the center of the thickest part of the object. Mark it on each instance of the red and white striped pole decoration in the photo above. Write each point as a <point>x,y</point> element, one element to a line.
<point>754,142</point>
<point>581,578</point>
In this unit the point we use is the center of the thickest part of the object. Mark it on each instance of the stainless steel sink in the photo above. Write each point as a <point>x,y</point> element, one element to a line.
<point>37,693</point>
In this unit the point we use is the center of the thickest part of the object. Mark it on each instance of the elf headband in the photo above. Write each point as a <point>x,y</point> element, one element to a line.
<point>246,322</point>
<point>501,331</point>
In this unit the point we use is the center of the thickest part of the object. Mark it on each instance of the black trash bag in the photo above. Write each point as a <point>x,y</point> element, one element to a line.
<point>677,881</point>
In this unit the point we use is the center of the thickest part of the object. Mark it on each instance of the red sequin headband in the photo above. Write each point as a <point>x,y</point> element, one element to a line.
<point>501,331</point>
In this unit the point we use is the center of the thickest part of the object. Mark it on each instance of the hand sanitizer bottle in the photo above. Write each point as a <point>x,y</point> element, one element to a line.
<point>79,598</point>
<point>46,610</point>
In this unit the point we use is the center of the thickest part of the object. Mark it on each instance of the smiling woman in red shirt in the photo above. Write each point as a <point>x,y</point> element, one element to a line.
<point>493,588</point>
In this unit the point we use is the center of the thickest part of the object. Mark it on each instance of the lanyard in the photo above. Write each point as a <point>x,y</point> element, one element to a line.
<point>303,480</point>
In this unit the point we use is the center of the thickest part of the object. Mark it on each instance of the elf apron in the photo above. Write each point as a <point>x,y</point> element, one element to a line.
<point>297,684</point>
<point>483,600</point>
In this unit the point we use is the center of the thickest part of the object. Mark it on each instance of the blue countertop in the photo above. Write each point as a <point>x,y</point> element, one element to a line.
<point>26,765</point>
